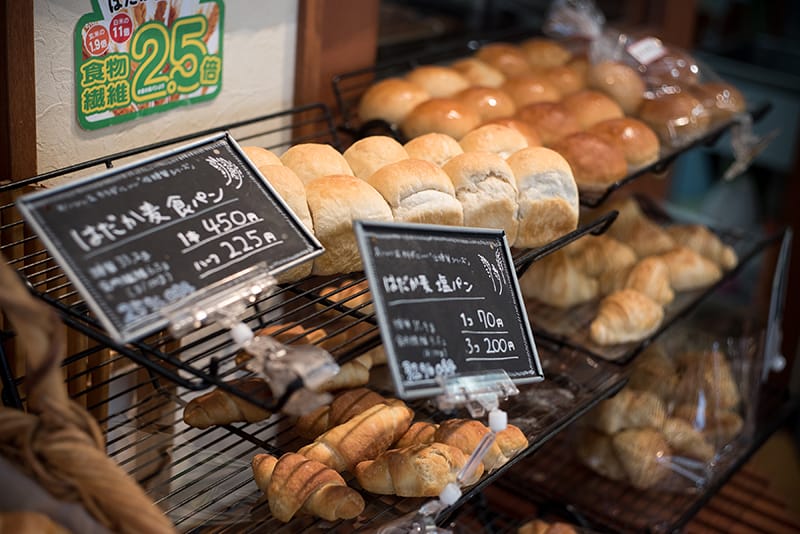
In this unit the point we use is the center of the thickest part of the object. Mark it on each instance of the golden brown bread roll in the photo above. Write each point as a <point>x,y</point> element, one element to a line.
<point>417,471</point>
<point>556,281</point>
<point>438,148</point>
<point>479,72</point>
<point>487,190</point>
<point>536,526</point>
<point>466,434</point>
<point>313,160</point>
<point>688,270</point>
<point>489,103</point>
<point>551,120</point>
<point>419,433</point>
<point>567,80</point>
<point>494,138</point>
<point>625,316</point>
<point>705,242</point>
<point>261,156</point>
<point>637,141</point>
<point>654,371</point>
<point>295,484</point>
<point>543,53</point>
<point>531,136</point>
<point>29,522</point>
<point>596,451</point>
<point>390,100</point>
<point>600,254</point>
<point>438,81</point>
<point>676,118</point>
<point>363,437</point>
<point>595,164</point>
<point>722,99</point>
<point>547,196</point>
<point>444,115</point>
<point>505,57</point>
<point>675,68</point>
<point>628,409</point>
<point>649,276</point>
<point>342,408</point>
<point>529,89</point>
<point>371,153</point>
<point>643,454</point>
<point>684,440</point>
<point>335,202</point>
<point>620,82</point>
<point>580,64</point>
<point>590,107</point>
<point>218,407</point>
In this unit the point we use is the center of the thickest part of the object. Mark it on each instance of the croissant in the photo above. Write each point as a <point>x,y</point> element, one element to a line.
<point>709,373</point>
<point>602,253</point>
<point>466,434</point>
<point>689,270</point>
<point>344,407</point>
<point>421,470</point>
<point>218,407</point>
<point>705,242</point>
<point>623,316</point>
<point>654,371</point>
<point>684,439</point>
<point>353,373</point>
<point>723,427</point>
<point>296,334</point>
<point>647,238</point>
<point>419,433</point>
<point>294,484</point>
<point>596,452</point>
<point>361,438</point>
<point>628,409</point>
<point>556,281</point>
<point>642,453</point>
<point>629,214</point>
<point>649,276</point>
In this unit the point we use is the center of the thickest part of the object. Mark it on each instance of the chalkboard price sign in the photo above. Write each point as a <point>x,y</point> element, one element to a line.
<point>138,238</point>
<point>448,303</point>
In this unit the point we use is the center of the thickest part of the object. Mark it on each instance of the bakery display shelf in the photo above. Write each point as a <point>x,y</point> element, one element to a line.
<point>554,472</point>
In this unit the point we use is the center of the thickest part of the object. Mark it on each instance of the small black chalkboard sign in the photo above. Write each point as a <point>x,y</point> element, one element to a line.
<point>448,303</point>
<point>138,238</point>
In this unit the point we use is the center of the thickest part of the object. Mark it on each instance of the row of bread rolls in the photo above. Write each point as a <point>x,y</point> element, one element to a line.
<point>685,406</point>
<point>373,438</point>
<point>491,179</point>
<point>635,269</point>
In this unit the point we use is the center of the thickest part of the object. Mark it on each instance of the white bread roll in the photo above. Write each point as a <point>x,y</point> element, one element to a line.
<point>293,192</point>
<point>261,156</point>
<point>418,192</point>
<point>391,100</point>
<point>438,148</point>
<point>439,82</point>
<point>367,155</point>
<point>495,138</point>
<point>335,202</point>
<point>313,160</point>
<point>548,196</point>
<point>486,188</point>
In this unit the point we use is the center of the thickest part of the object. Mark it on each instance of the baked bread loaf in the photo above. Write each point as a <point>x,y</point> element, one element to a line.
<point>628,409</point>
<point>314,160</point>
<point>485,186</point>
<point>479,72</point>
<point>688,270</point>
<point>551,120</point>
<point>295,484</point>
<point>649,276</point>
<point>620,82</point>
<point>596,451</point>
<point>676,118</point>
<point>438,81</point>
<point>595,164</point>
<point>722,99</point>
<point>547,196</point>
<point>565,79</point>
<point>371,153</point>
<point>261,156</point>
<point>529,89</point>
<point>543,53</point>
<point>505,57</point>
<point>417,471</point>
<point>624,316</point>
<point>466,434</point>
<point>438,148</point>
<point>335,202</point>
<point>390,100</point>
<point>556,281</point>
<point>705,242</point>
<point>635,139</point>
<point>488,102</point>
<point>344,407</point>
<point>444,115</point>
<point>590,107</point>
<point>218,407</point>
<point>419,433</point>
<point>642,452</point>
<point>418,192</point>
<point>500,140</point>
<point>600,254</point>
<point>363,437</point>
<point>530,134</point>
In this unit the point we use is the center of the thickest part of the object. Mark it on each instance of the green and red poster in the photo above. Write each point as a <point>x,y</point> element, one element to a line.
<point>138,57</point>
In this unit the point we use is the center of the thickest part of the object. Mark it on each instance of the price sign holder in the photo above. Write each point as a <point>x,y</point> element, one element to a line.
<point>171,238</point>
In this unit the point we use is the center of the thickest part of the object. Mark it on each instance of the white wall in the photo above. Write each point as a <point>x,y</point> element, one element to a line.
<point>258,78</point>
